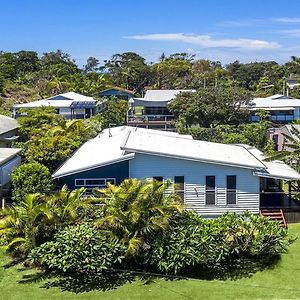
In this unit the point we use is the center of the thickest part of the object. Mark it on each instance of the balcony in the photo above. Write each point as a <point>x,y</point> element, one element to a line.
<point>151,121</point>
<point>275,118</point>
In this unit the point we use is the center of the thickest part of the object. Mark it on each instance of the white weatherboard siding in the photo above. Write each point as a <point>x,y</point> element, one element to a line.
<point>7,169</point>
<point>147,166</point>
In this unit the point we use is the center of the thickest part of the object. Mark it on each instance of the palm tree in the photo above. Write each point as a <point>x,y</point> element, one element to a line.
<point>20,224</point>
<point>25,221</point>
<point>65,204</point>
<point>137,209</point>
<point>74,127</point>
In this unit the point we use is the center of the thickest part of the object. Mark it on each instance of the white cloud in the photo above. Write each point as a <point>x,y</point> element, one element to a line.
<point>208,41</point>
<point>290,32</point>
<point>287,20</point>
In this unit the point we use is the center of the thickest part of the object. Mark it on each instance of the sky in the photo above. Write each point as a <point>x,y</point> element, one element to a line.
<point>223,30</point>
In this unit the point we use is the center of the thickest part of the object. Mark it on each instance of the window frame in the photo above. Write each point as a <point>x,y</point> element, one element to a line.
<point>210,190</point>
<point>155,178</point>
<point>93,185</point>
<point>181,192</point>
<point>231,190</point>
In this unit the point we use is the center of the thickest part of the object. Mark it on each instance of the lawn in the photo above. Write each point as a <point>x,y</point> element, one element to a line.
<point>280,282</point>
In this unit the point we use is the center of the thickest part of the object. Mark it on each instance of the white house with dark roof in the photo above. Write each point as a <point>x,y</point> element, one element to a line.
<point>282,108</point>
<point>70,105</point>
<point>212,178</point>
<point>152,111</point>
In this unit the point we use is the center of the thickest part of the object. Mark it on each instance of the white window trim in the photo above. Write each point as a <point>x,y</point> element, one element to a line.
<point>89,185</point>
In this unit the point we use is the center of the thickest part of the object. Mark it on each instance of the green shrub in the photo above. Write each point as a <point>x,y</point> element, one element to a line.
<point>214,244</point>
<point>79,249</point>
<point>30,178</point>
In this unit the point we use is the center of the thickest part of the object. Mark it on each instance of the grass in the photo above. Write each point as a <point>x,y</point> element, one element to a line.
<point>280,282</point>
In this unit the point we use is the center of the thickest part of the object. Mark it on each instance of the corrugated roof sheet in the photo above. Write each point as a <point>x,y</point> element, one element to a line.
<point>104,149</point>
<point>121,143</point>
<point>276,101</point>
<point>163,95</point>
<point>7,124</point>
<point>58,101</point>
<point>7,153</point>
<point>191,150</point>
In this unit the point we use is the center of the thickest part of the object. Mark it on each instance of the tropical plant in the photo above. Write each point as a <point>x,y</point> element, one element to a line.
<point>57,143</point>
<point>216,244</point>
<point>80,249</point>
<point>30,178</point>
<point>37,217</point>
<point>65,204</point>
<point>137,209</point>
<point>20,224</point>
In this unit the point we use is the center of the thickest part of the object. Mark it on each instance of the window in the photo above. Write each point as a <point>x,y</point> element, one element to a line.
<point>79,182</point>
<point>158,178</point>
<point>210,190</point>
<point>94,182</point>
<point>179,186</point>
<point>231,189</point>
<point>275,140</point>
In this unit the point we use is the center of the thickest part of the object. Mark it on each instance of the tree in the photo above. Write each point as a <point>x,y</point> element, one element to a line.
<point>21,223</point>
<point>137,209</point>
<point>64,205</point>
<point>37,121</point>
<point>114,112</point>
<point>171,73</point>
<point>212,106</point>
<point>30,178</point>
<point>37,217</point>
<point>27,62</point>
<point>49,151</point>
<point>129,70</point>
<point>91,64</point>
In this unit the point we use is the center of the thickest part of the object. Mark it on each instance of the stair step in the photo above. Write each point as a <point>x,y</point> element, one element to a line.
<point>275,215</point>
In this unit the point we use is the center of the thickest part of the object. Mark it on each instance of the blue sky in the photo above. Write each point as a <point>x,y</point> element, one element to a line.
<point>223,30</point>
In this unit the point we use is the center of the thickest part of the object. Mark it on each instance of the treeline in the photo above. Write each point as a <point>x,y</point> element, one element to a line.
<point>56,72</point>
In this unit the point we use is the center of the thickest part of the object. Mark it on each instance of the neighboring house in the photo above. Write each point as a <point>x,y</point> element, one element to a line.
<point>282,109</point>
<point>8,131</point>
<point>70,105</point>
<point>277,135</point>
<point>152,111</point>
<point>212,178</point>
<point>117,92</point>
<point>9,159</point>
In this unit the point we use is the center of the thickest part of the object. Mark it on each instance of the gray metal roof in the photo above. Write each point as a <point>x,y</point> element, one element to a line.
<point>7,153</point>
<point>7,124</point>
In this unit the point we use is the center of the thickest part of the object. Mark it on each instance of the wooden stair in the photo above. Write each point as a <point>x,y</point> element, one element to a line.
<point>274,214</point>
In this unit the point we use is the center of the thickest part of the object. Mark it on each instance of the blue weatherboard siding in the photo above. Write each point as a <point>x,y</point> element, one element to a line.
<point>120,171</point>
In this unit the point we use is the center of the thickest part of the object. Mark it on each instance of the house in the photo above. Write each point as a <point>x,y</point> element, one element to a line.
<point>118,92</point>
<point>70,105</point>
<point>282,109</point>
<point>212,178</point>
<point>277,135</point>
<point>9,159</point>
<point>152,111</point>
<point>8,131</point>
